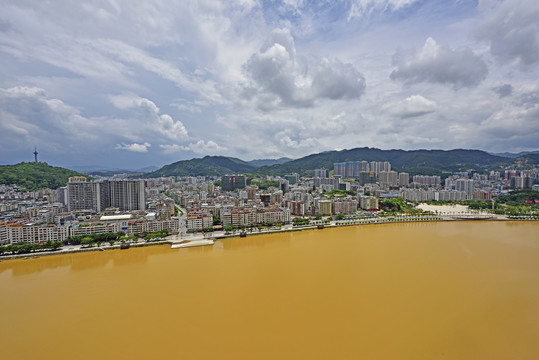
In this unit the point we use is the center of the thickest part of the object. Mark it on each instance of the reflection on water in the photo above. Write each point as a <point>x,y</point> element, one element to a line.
<point>448,290</point>
<point>81,261</point>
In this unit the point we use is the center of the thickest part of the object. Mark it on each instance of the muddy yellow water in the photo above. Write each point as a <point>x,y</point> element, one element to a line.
<point>462,290</point>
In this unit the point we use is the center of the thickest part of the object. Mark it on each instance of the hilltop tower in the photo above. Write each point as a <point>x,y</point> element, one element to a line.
<point>35,154</point>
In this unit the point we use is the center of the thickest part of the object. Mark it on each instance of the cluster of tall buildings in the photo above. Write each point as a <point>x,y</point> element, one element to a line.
<point>521,179</point>
<point>353,169</point>
<point>431,181</point>
<point>126,195</point>
<point>365,172</point>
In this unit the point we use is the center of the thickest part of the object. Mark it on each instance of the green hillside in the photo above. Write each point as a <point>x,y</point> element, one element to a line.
<point>206,166</point>
<point>413,161</point>
<point>34,176</point>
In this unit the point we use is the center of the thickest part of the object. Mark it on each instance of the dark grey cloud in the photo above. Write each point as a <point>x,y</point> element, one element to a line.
<point>336,80</point>
<point>516,122</point>
<point>30,116</point>
<point>529,99</point>
<point>511,29</point>
<point>5,26</point>
<point>503,90</point>
<point>439,64</point>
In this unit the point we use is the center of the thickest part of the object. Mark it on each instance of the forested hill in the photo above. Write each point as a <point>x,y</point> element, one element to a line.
<point>34,176</point>
<point>412,161</point>
<point>206,166</point>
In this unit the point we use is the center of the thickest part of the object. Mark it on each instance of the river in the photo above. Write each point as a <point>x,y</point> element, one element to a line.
<point>442,290</point>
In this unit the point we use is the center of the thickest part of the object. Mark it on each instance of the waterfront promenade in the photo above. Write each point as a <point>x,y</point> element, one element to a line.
<point>201,239</point>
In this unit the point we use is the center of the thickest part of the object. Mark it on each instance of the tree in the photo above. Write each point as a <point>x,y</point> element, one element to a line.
<point>87,241</point>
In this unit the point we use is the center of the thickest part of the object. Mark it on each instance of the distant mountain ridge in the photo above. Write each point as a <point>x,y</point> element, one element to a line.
<point>412,161</point>
<point>108,173</point>
<point>88,169</point>
<point>516,155</point>
<point>428,162</point>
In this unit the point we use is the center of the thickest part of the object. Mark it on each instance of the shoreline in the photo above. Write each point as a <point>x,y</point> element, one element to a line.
<point>333,224</point>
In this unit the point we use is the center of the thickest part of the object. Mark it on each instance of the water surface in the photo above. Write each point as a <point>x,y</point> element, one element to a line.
<point>447,290</point>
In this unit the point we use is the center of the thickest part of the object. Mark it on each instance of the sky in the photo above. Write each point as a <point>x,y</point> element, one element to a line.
<point>131,84</point>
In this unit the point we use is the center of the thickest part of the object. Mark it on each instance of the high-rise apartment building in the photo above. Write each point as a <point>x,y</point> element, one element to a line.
<point>321,173</point>
<point>251,192</point>
<point>404,179</point>
<point>127,195</point>
<point>367,178</point>
<point>292,179</point>
<point>324,207</point>
<point>233,182</point>
<point>465,185</point>
<point>432,181</point>
<point>388,178</point>
<point>85,196</point>
<point>339,169</point>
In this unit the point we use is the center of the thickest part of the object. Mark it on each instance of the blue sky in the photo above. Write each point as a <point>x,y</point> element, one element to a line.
<point>134,84</point>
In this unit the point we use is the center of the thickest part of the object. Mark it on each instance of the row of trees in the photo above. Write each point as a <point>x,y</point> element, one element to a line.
<point>231,228</point>
<point>24,248</point>
<point>89,240</point>
<point>94,238</point>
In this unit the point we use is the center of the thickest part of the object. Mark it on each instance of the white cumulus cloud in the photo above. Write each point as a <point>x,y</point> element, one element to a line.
<point>199,147</point>
<point>413,106</point>
<point>148,111</point>
<point>141,148</point>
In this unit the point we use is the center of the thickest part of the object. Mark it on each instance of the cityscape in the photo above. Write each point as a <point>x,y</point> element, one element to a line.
<point>184,206</point>
<point>284,179</point>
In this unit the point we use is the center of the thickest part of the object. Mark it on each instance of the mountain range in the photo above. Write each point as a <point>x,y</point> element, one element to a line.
<point>40,175</point>
<point>428,162</point>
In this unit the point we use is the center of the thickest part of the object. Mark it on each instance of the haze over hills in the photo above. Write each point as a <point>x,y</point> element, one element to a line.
<point>89,169</point>
<point>515,155</point>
